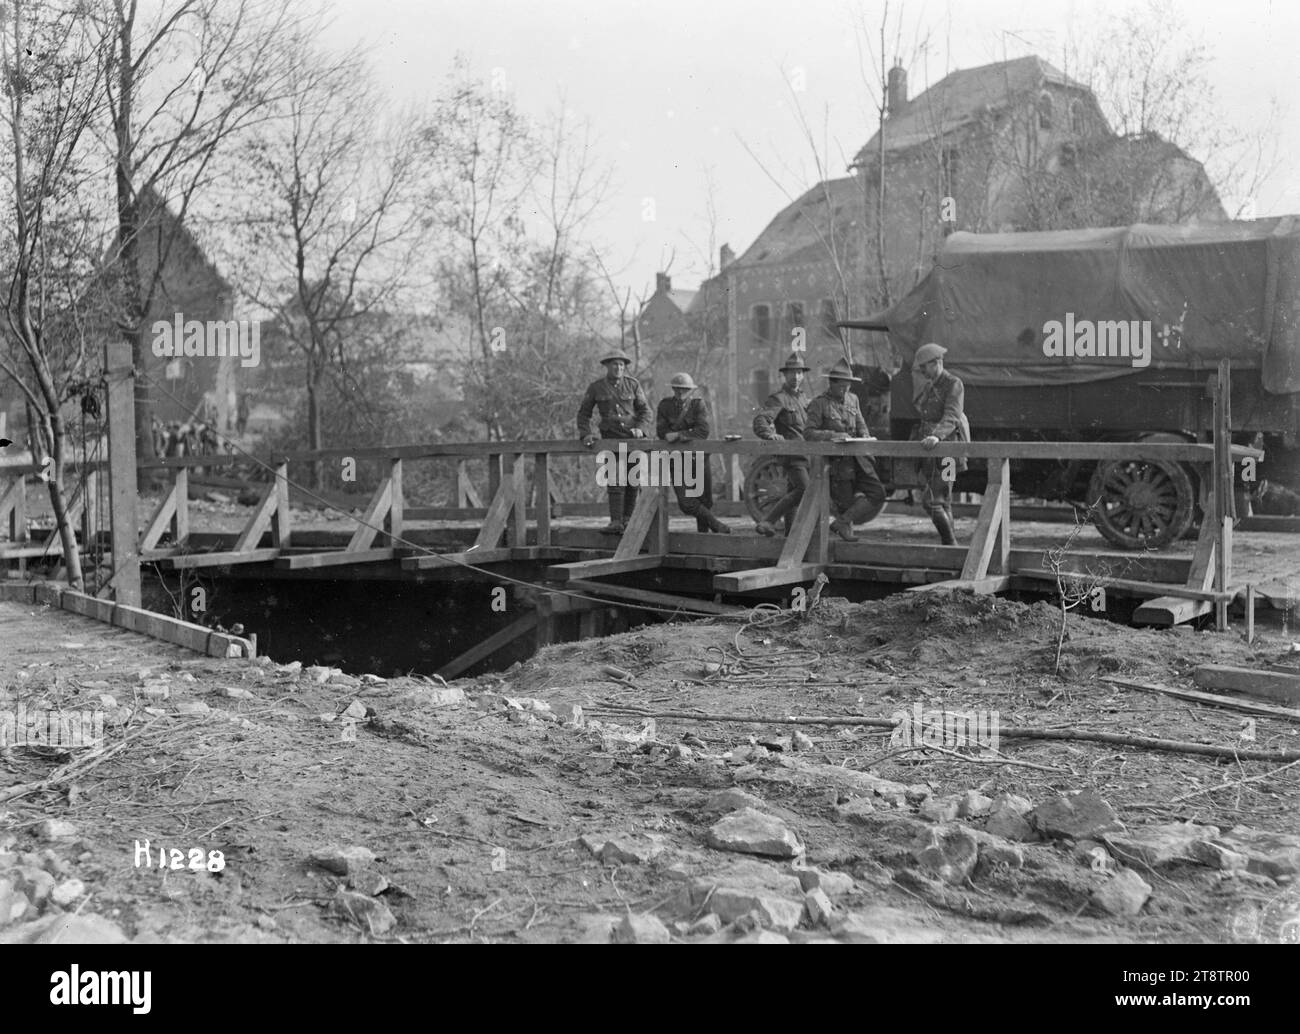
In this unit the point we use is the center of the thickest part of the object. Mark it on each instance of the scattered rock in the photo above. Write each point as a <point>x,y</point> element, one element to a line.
<point>35,883</point>
<point>107,701</point>
<point>449,697</point>
<point>67,892</point>
<point>752,832</point>
<point>569,714</point>
<point>368,881</point>
<point>625,848</point>
<point>918,792</point>
<point>325,717</point>
<point>320,674</point>
<point>236,693</point>
<point>801,741</point>
<point>835,884</point>
<point>1217,856</point>
<point>1269,854</point>
<point>747,774</point>
<point>772,912</point>
<point>706,926</point>
<point>56,829</point>
<point>1161,845</point>
<point>155,690</point>
<point>192,707</point>
<point>356,710</point>
<point>950,852</point>
<point>1009,856</point>
<point>1007,819</point>
<point>372,680</point>
<point>85,928</point>
<point>343,861</point>
<point>855,811</point>
<point>641,929</point>
<point>973,805</point>
<point>939,809</point>
<point>344,681</point>
<point>369,913</point>
<point>781,744</point>
<point>1123,895</point>
<point>1080,815</point>
<point>292,668</point>
<point>818,906</point>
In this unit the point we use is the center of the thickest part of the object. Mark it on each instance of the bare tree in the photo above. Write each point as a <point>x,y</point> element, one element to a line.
<point>182,87</point>
<point>334,221</point>
<point>50,63</point>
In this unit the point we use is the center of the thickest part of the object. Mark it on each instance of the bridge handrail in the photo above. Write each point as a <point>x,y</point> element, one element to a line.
<point>1190,452</point>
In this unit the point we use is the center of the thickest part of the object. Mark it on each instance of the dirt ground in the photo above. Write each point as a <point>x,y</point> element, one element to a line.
<point>493,817</point>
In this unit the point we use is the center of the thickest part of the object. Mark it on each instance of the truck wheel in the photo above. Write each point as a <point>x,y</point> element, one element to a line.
<point>1142,504</point>
<point>764,485</point>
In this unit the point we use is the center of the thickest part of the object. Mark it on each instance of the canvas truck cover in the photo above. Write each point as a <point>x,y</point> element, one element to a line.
<point>1022,309</point>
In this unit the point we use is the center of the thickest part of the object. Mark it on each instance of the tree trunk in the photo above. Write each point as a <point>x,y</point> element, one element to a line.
<point>315,437</point>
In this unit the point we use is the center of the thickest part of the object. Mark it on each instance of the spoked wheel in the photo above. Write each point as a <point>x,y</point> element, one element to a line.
<point>1142,504</point>
<point>764,485</point>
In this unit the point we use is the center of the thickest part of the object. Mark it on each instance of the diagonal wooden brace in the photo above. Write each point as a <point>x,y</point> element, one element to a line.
<point>990,546</point>
<point>172,512</point>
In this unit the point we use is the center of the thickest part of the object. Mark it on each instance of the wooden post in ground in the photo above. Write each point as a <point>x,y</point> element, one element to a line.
<point>1223,501</point>
<point>120,377</point>
<point>1250,613</point>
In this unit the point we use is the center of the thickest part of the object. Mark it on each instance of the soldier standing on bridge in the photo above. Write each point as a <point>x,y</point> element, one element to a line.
<point>783,416</point>
<point>624,413</point>
<point>835,414</point>
<point>682,418</point>
<point>941,405</point>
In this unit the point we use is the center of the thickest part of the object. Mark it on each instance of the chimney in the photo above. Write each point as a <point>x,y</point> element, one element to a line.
<point>725,257</point>
<point>663,283</point>
<point>897,91</point>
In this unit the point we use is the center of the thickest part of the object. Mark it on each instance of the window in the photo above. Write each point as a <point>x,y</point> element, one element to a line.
<point>1069,156</point>
<point>760,385</point>
<point>1078,120</point>
<point>1044,110</point>
<point>760,325</point>
<point>793,318</point>
<point>948,171</point>
<point>829,318</point>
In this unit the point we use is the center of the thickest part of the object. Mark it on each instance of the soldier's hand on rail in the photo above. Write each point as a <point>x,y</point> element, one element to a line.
<point>672,436</point>
<point>929,442</point>
<point>637,433</point>
<point>589,440</point>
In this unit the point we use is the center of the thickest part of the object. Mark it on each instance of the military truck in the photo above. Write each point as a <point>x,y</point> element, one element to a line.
<point>1107,335</point>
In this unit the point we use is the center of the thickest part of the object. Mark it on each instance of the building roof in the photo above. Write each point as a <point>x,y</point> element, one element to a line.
<point>682,299</point>
<point>799,233</point>
<point>961,97</point>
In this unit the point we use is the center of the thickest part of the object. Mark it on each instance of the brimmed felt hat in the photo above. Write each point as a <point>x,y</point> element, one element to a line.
<point>622,357</point>
<point>927,352</point>
<point>842,371</point>
<point>682,380</point>
<point>794,363</point>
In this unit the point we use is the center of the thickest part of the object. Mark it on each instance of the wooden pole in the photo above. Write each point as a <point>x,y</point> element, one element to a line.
<point>1250,613</point>
<point>120,376</point>
<point>1222,491</point>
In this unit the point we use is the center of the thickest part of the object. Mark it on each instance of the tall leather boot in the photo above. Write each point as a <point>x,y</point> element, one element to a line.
<point>712,523</point>
<point>943,524</point>
<point>859,511</point>
<point>615,525</point>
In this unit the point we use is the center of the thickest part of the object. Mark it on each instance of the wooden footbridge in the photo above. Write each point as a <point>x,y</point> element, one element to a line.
<point>571,566</point>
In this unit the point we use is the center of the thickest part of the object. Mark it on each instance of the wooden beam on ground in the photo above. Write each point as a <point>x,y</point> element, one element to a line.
<point>490,645</point>
<point>1130,585</point>
<point>657,599</point>
<point>1267,685</point>
<point>335,558</point>
<point>1286,714</point>
<point>988,585</point>
<point>1167,611</point>
<point>602,568</point>
<point>158,626</point>
<point>766,577</point>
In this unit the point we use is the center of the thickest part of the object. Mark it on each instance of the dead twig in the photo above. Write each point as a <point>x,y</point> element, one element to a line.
<point>1236,783</point>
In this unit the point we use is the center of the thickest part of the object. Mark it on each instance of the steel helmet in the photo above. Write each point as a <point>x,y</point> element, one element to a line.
<point>927,352</point>
<point>683,380</point>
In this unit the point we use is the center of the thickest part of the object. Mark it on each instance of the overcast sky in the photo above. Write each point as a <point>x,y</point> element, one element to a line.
<point>675,89</point>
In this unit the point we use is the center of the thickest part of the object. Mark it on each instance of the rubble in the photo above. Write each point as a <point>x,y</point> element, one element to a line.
<point>950,852</point>
<point>1081,814</point>
<point>56,829</point>
<point>835,884</point>
<point>641,929</point>
<point>1123,894</point>
<point>343,861</point>
<point>818,906</point>
<point>67,892</point>
<point>973,804</point>
<point>752,832</point>
<point>370,913</point>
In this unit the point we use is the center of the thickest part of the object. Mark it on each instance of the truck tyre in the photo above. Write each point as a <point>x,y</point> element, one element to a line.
<point>765,483</point>
<point>1142,504</point>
